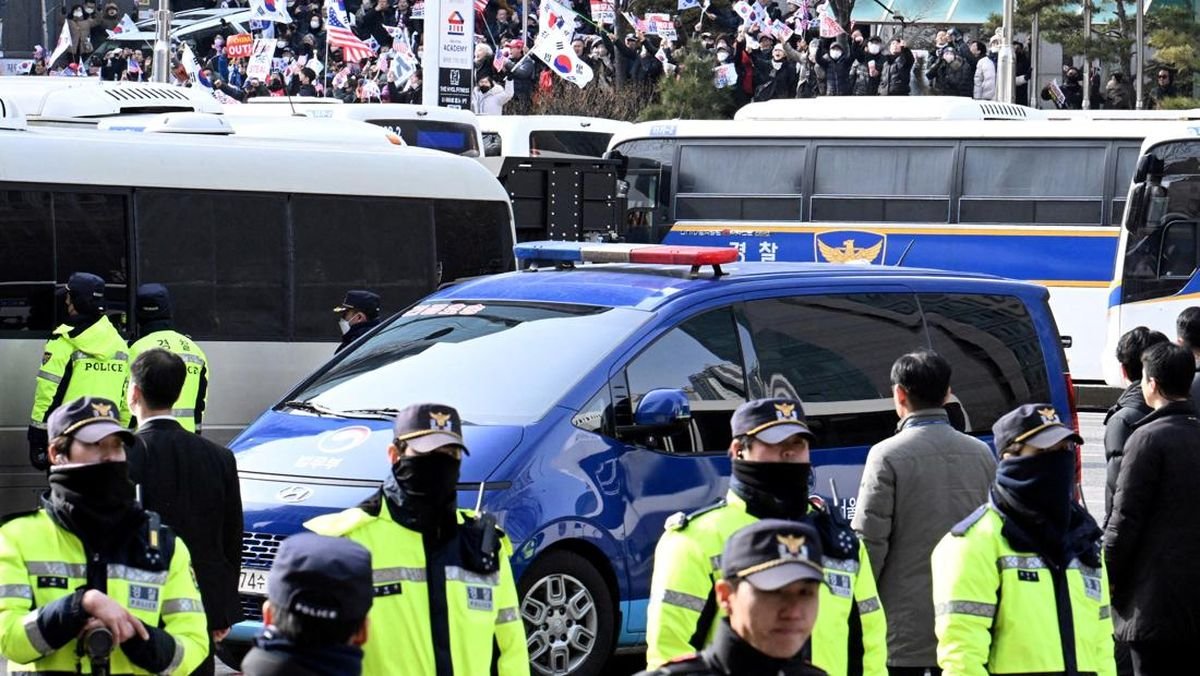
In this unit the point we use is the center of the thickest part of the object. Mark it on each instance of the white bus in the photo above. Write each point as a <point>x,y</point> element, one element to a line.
<point>1158,263</point>
<point>257,240</point>
<point>446,129</point>
<point>1036,199</point>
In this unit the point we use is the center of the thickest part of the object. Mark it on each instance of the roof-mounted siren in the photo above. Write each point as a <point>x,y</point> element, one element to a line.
<point>11,117</point>
<point>905,108</point>
<point>126,98</point>
<point>565,255</point>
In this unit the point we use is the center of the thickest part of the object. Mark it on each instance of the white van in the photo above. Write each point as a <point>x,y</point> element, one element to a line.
<point>446,129</point>
<point>545,136</point>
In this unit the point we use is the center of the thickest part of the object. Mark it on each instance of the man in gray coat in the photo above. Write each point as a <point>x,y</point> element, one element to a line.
<point>915,487</point>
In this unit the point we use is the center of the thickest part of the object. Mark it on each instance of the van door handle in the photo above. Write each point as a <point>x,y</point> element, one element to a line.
<point>1067,341</point>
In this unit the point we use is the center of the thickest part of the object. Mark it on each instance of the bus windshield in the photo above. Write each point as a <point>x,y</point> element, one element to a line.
<point>1161,252</point>
<point>518,359</point>
<point>450,137</point>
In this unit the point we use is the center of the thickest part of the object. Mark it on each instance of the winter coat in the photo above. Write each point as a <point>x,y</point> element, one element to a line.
<point>80,30</point>
<point>775,83</point>
<point>1118,425</point>
<point>985,79</point>
<point>864,83</point>
<point>491,102</point>
<point>896,73</point>
<point>1117,96</point>
<point>1152,539</point>
<point>837,74</point>
<point>1073,93</point>
<point>951,79</point>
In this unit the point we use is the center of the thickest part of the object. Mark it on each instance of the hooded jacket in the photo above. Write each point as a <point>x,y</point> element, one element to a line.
<point>1119,423</point>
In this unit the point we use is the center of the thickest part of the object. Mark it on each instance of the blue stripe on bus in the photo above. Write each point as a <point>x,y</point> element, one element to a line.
<point>1083,260</point>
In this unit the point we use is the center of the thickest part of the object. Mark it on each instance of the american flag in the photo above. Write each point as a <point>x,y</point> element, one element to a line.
<point>339,35</point>
<point>481,7</point>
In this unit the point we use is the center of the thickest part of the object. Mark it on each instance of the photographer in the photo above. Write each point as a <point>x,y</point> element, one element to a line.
<point>91,559</point>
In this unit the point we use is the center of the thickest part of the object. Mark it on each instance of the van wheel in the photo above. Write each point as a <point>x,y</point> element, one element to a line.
<point>569,616</point>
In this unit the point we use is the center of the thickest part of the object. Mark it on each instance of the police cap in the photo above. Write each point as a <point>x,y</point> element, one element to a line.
<point>87,291</point>
<point>321,577</point>
<point>364,301</point>
<point>1035,424</point>
<point>428,427</point>
<point>88,419</point>
<point>153,302</point>
<point>773,553</point>
<point>771,420</point>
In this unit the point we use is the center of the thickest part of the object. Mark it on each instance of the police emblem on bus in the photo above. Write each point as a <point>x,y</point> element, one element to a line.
<point>294,494</point>
<point>849,246</point>
<point>785,411</point>
<point>343,439</point>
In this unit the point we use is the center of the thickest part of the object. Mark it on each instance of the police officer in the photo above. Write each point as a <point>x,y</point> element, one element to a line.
<point>358,313</point>
<point>444,591</point>
<point>86,355</point>
<point>91,558</point>
<point>771,574</point>
<point>1019,586</point>
<point>315,616</point>
<point>771,472</point>
<point>157,331</point>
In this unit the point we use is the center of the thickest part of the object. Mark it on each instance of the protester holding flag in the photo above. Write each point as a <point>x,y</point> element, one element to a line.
<point>80,25</point>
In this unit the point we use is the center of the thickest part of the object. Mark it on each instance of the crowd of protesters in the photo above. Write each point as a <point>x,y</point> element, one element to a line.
<point>815,58</point>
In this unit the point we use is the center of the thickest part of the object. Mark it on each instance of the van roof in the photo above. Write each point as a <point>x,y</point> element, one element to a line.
<point>649,287</point>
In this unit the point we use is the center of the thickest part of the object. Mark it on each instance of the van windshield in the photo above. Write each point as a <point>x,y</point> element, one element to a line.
<point>450,137</point>
<point>497,363</point>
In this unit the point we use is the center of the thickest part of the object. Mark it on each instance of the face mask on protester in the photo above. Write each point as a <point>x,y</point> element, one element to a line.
<point>79,14</point>
<point>948,57</point>
<point>835,53</point>
<point>722,56</point>
<point>315,23</point>
<point>874,48</point>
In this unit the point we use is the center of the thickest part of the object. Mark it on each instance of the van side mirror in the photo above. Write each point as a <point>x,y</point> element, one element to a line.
<point>1147,165</point>
<point>660,412</point>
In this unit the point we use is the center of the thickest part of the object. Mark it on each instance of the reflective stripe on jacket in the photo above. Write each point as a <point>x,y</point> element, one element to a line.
<point>1000,611</point>
<point>41,563</point>
<point>687,563</point>
<point>413,598</point>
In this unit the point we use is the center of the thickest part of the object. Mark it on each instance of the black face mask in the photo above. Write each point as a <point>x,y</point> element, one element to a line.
<point>275,86</point>
<point>1036,492</point>
<point>424,488</point>
<point>772,490</point>
<point>94,501</point>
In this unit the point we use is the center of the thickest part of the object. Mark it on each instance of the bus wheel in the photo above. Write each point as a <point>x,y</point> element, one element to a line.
<point>569,616</point>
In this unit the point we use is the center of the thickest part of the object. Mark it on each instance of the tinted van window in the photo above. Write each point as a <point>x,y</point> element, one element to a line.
<point>835,354</point>
<point>993,346</point>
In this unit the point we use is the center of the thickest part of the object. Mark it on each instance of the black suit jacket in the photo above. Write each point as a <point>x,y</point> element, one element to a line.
<point>193,485</point>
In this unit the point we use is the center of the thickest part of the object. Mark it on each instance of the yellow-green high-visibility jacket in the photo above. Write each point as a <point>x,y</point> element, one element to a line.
<point>42,565</point>
<point>189,408</point>
<point>1001,611</point>
<point>431,615</point>
<point>93,363</point>
<point>683,612</point>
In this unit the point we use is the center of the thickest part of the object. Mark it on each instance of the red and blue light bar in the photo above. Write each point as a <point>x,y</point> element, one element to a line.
<point>550,252</point>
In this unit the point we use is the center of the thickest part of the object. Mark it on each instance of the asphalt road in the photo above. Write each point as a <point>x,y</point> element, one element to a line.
<point>1093,491</point>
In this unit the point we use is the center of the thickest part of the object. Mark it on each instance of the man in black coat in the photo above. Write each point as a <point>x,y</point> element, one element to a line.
<point>192,483</point>
<point>1152,540</point>
<point>1130,407</point>
<point>357,314</point>
<point>1187,334</point>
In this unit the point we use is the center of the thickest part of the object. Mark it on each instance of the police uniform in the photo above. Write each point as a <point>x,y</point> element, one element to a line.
<point>154,319</point>
<point>850,636</point>
<point>45,569</point>
<point>320,579</point>
<point>85,356</point>
<point>769,555</point>
<point>442,601</point>
<point>1004,608</point>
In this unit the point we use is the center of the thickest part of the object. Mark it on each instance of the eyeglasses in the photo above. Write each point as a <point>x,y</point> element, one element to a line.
<point>1164,77</point>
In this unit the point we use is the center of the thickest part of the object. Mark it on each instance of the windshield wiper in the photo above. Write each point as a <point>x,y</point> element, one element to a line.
<point>312,408</point>
<point>376,413</point>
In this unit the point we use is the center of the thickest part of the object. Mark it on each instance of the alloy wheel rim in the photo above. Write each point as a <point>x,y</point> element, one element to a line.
<point>560,618</point>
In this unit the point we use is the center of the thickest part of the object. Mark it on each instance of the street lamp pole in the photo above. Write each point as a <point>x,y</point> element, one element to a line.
<point>1087,58</point>
<point>1004,72</point>
<point>1139,55</point>
<point>162,42</point>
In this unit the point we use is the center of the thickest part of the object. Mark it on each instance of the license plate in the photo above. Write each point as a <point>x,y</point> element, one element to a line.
<point>253,581</point>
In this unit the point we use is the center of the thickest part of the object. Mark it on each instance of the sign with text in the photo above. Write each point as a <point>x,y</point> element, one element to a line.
<point>239,46</point>
<point>455,50</point>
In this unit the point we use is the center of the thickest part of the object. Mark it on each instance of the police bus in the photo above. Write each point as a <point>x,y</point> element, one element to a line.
<point>257,241</point>
<point>1032,199</point>
<point>545,136</point>
<point>1156,273</point>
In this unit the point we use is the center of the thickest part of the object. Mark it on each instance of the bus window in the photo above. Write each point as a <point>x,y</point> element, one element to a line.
<point>888,183</point>
<point>340,245</point>
<point>493,144</point>
<point>745,183</point>
<point>1127,157</point>
<point>1160,252</point>
<point>49,235</point>
<point>999,180</point>
<point>450,137</point>
<point>558,142</point>
<point>647,183</point>
<point>1177,259</point>
<point>473,238</point>
<point>232,280</point>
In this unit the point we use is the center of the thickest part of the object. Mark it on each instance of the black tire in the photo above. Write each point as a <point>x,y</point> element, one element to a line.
<point>557,634</point>
<point>232,654</point>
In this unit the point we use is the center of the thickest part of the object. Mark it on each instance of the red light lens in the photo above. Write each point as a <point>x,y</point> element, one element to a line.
<point>684,255</point>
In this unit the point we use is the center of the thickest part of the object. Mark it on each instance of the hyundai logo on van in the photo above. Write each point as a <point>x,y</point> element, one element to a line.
<point>344,439</point>
<point>294,494</point>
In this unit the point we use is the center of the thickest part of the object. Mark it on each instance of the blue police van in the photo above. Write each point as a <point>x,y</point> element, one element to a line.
<point>596,402</point>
